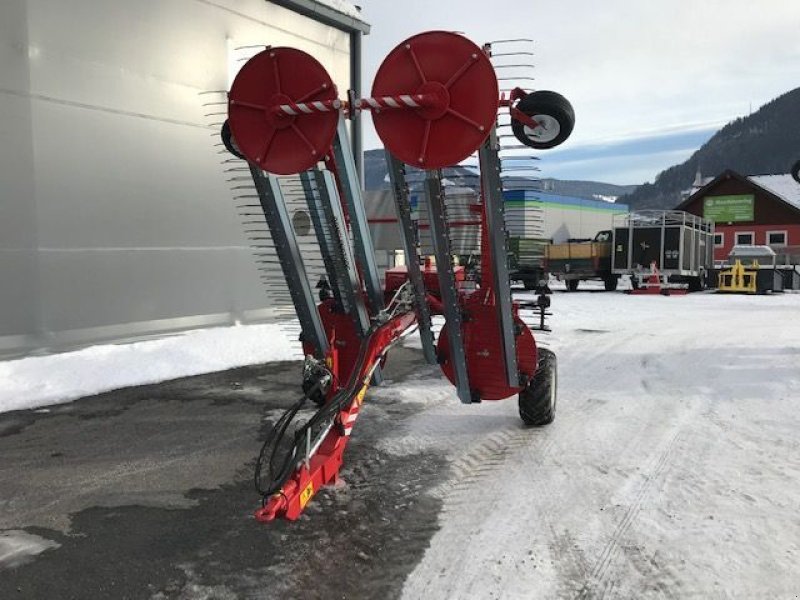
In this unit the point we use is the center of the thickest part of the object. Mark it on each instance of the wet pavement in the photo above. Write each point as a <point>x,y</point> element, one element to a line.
<point>148,493</point>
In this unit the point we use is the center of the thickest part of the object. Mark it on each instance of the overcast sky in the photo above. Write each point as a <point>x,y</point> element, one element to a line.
<point>650,80</point>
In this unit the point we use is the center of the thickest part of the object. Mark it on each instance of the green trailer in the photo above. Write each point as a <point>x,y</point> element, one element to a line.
<point>526,261</point>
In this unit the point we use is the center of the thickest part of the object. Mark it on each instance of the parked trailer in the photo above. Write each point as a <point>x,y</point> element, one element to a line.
<point>526,261</point>
<point>679,243</point>
<point>577,261</point>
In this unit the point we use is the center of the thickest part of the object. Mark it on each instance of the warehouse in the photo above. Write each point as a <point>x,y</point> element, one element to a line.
<point>116,220</point>
<point>749,210</point>
<point>529,214</point>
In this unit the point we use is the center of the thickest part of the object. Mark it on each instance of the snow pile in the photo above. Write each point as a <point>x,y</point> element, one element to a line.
<point>39,381</point>
<point>18,547</point>
<point>344,7</point>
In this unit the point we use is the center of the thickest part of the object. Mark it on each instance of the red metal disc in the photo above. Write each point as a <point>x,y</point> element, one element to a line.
<point>485,370</point>
<point>452,67</point>
<point>281,144</point>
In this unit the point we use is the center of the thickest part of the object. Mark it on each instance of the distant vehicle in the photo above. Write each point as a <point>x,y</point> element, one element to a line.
<point>680,244</point>
<point>580,260</point>
<point>526,257</point>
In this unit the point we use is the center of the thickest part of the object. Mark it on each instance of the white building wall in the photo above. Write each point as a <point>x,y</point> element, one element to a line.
<point>115,218</point>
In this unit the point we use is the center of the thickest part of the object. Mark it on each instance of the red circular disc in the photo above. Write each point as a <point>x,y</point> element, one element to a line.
<point>281,144</point>
<point>485,368</point>
<point>452,67</point>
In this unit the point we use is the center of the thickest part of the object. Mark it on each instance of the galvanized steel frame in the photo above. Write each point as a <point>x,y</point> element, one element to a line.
<point>397,176</point>
<point>288,251</point>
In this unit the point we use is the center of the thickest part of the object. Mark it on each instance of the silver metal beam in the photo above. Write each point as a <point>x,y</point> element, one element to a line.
<point>351,189</point>
<point>397,175</point>
<point>288,251</point>
<point>498,251</point>
<point>345,266</point>
<point>324,230</point>
<point>447,284</point>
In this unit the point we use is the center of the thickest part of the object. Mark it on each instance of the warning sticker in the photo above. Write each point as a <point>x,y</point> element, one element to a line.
<point>361,394</point>
<point>306,494</point>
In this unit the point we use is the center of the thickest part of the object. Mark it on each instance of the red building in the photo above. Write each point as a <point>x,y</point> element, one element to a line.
<point>761,210</point>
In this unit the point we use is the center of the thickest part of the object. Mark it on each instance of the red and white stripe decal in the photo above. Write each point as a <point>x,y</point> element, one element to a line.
<point>401,101</point>
<point>308,108</point>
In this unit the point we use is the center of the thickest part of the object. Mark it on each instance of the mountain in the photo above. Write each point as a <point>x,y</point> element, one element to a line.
<point>375,178</point>
<point>763,143</point>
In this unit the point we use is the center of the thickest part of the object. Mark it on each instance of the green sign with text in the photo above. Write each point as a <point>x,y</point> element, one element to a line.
<point>728,209</point>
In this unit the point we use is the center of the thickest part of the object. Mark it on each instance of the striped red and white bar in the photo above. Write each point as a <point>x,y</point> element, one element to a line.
<point>383,102</point>
<point>293,109</point>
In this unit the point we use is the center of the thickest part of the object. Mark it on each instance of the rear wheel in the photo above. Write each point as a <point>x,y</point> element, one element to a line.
<point>572,284</point>
<point>796,171</point>
<point>610,283</point>
<point>537,402</point>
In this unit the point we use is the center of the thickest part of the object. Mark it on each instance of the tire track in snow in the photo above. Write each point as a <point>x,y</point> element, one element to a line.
<point>599,576</point>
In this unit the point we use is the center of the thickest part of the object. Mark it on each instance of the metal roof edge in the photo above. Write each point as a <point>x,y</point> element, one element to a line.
<point>325,14</point>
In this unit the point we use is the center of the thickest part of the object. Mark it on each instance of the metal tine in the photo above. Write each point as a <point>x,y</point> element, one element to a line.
<point>510,41</point>
<point>206,92</point>
<point>214,114</point>
<point>502,66</point>
<point>516,78</point>
<point>518,53</point>
<point>246,47</point>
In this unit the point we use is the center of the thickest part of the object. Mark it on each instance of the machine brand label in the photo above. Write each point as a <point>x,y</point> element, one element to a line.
<point>306,494</point>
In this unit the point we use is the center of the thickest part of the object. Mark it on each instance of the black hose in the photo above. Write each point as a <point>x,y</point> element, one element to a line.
<point>280,470</point>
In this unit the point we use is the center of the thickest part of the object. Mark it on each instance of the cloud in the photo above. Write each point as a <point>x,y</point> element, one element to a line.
<point>628,67</point>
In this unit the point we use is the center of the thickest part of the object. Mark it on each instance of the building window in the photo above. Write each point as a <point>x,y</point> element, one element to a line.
<point>745,238</point>
<point>776,238</point>
<point>719,240</point>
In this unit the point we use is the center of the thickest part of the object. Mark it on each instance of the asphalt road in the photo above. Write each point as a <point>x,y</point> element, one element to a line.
<point>147,492</point>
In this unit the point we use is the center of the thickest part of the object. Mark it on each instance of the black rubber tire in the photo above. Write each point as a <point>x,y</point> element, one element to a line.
<point>230,143</point>
<point>610,283</point>
<point>572,284</point>
<point>796,171</point>
<point>537,402</point>
<point>547,103</point>
<point>697,284</point>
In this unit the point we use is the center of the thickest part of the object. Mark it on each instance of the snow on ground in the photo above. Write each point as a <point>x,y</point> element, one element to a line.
<point>18,547</point>
<point>41,380</point>
<point>672,468</point>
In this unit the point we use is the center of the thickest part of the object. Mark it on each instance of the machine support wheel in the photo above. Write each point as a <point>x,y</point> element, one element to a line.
<point>796,171</point>
<point>610,283</point>
<point>572,284</point>
<point>537,402</point>
<point>555,116</point>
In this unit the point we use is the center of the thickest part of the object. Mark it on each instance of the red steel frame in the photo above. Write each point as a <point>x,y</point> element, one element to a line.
<point>275,110</point>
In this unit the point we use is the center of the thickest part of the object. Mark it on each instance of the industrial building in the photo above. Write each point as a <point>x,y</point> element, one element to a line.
<point>761,210</point>
<point>116,220</point>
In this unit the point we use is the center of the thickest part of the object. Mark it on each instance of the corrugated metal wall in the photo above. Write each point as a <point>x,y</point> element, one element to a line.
<point>115,218</point>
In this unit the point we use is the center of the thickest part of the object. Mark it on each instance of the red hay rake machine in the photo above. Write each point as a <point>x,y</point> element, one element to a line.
<point>434,102</point>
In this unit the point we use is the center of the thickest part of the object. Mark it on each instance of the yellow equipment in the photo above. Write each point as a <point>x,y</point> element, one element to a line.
<point>739,280</point>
